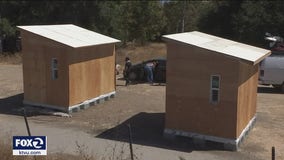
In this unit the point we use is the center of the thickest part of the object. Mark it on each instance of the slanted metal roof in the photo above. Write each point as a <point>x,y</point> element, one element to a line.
<point>221,45</point>
<point>70,35</point>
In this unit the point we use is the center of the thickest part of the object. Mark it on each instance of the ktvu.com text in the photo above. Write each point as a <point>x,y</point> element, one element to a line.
<point>29,145</point>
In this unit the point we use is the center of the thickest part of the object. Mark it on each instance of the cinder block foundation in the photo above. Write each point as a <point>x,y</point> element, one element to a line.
<point>229,144</point>
<point>75,108</point>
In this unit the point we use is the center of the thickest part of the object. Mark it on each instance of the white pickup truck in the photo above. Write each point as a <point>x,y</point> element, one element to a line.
<point>272,71</point>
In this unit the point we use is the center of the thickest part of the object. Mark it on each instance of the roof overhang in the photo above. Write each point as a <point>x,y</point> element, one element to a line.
<point>230,48</point>
<point>69,35</point>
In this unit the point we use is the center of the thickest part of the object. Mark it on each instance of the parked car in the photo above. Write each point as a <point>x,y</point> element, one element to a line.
<point>137,73</point>
<point>272,71</point>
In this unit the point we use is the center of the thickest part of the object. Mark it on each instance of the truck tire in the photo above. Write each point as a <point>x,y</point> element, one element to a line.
<point>132,76</point>
<point>278,87</point>
<point>282,87</point>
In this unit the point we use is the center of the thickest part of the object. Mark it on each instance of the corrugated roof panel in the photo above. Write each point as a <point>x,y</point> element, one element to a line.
<point>70,35</point>
<point>221,45</point>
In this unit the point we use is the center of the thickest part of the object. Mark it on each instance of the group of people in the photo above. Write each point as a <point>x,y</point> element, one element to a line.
<point>148,68</point>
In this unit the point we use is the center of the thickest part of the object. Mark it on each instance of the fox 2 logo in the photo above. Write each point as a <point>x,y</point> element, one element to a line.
<point>29,142</point>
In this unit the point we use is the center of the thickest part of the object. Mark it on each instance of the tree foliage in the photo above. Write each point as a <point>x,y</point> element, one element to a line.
<point>138,21</point>
<point>143,21</point>
<point>254,18</point>
<point>8,37</point>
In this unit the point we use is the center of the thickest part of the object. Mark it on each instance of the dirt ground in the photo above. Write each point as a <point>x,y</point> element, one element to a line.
<point>143,106</point>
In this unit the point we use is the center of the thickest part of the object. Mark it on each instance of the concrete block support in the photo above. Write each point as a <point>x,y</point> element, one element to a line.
<point>200,139</point>
<point>75,108</point>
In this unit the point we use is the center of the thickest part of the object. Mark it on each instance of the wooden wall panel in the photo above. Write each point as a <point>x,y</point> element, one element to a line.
<point>91,71</point>
<point>188,106</point>
<point>38,85</point>
<point>247,93</point>
<point>84,81</point>
<point>33,70</point>
<point>58,89</point>
<point>83,73</point>
<point>107,75</point>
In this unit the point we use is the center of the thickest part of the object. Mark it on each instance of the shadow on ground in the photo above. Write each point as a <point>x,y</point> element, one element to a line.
<point>13,105</point>
<point>267,89</point>
<point>156,83</point>
<point>147,129</point>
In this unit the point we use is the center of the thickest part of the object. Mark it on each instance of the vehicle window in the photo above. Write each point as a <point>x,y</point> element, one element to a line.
<point>162,63</point>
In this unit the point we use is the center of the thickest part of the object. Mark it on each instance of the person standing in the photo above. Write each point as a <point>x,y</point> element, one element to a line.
<point>149,68</point>
<point>127,66</point>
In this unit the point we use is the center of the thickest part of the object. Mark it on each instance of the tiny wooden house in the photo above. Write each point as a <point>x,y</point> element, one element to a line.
<point>66,67</point>
<point>211,87</point>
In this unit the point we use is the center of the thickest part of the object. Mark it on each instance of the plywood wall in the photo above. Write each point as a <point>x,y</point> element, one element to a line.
<point>38,84</point>
<point>91,72</point>
<point>83,73</point>
<point>188,106</point>
<point>247,94</point>
<point>34,71</point>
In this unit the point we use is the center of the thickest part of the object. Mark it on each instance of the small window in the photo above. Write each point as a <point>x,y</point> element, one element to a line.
<point>54,68</point>
<point>215,89</point>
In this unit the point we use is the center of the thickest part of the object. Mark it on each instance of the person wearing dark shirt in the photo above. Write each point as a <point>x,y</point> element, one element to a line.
<point>127,66</point>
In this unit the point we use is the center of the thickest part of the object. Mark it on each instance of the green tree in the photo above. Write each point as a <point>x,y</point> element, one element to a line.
<point>183,16</point>
<point>217,18</point>
<point>138,21</point>
<point>143,20</point>
<point>257,17</point>
<point>7,36</point>
<point>6,28</point>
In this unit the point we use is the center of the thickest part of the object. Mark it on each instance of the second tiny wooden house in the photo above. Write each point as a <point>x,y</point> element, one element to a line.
<point>211,87</point>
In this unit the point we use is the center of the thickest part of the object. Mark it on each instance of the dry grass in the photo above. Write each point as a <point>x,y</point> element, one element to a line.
<point>11,58</point>
<point>140,53</point>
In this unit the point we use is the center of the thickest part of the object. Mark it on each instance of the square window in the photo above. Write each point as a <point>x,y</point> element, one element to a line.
<point>215,95</point>
<point>215,81</point>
